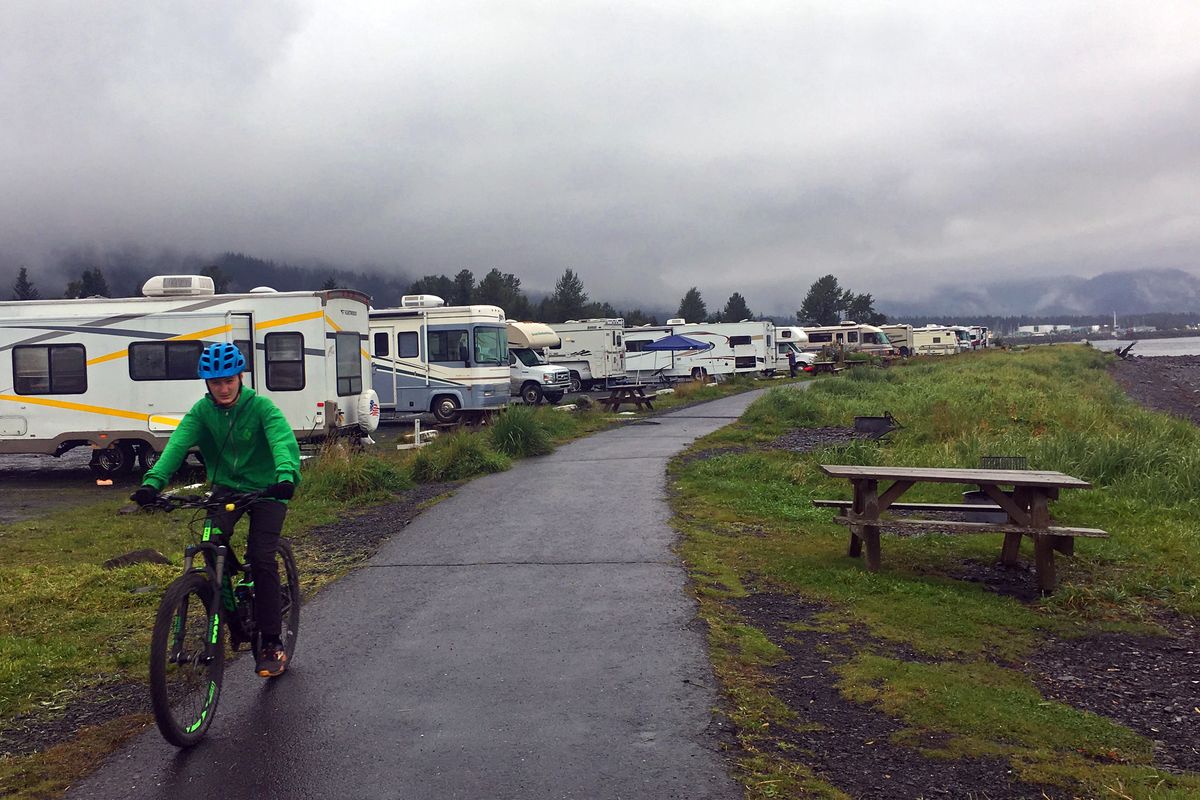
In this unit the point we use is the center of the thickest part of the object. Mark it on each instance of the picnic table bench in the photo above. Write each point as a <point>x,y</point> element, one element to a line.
<point>631,393</point>
<point>1027,507</point>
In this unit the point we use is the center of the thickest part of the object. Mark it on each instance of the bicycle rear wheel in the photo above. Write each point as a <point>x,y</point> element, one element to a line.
<point>289,598</point>
<point>185,681</point>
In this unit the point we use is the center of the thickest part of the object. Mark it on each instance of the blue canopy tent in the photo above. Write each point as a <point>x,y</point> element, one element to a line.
<point>677,342</point>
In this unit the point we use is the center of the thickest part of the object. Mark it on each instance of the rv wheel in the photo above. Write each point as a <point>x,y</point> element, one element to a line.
<point>700,374</point>
<point>445,409</point>
<point>576,382</point>
<point>147,455</point>
<point>116,459</point>
<point>553,397</point>
<point>531,393</point>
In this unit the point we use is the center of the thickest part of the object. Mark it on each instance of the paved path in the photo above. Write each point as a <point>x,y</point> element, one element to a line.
<point>512,642</point>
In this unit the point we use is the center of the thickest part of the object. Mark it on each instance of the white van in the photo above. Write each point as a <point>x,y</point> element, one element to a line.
<point>118,374</point>
<point>531,377</point>
<point>451,361</point>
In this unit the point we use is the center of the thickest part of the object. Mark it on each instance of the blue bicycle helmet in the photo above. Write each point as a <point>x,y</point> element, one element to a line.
<point>221,360</point>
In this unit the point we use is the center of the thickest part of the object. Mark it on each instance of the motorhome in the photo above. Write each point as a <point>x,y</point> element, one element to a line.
<point>849,337</point>
<point>901,337</point>
<point>531,377</point>
<point>451,361</point>
<point>980,336</point>
<point>934,340</point>
<point>592,350</point>
<point>963,335</point>
<point>729,348</point>
<point>118,374</point>
<point>791,339</point>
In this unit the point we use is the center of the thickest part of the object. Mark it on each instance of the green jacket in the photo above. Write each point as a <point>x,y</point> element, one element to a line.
<point>247,447</point>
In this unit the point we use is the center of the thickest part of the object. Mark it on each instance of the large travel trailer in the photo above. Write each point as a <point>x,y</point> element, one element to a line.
<point>592,349</point>
<point>731,348</point>
<point>935,340</point>
<point>448,360</point>
<point>118,374</point>
<point>850,337</point>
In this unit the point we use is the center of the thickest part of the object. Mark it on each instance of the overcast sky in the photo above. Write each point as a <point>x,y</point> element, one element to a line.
<point>748,146</point>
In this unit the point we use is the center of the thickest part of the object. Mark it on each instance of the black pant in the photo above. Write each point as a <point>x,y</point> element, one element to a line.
<point>266,522</point>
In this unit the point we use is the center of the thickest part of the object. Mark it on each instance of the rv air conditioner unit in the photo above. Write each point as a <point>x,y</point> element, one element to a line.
<point>421,301</point>
<point>263,290</point>
<point>178,286</point>
<point>677,321</point>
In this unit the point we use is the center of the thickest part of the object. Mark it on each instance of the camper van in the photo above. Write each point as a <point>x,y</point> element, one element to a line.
<point>791,339</point>
<point>593,350</point>
<point>531,377</point>
<point>118,374</point>
<point>451,361</point>
<point>729,348</point>
<point>850,337</point>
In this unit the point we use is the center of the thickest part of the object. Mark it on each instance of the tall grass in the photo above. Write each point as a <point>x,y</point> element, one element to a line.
<point>519,432</point>
<point>457,457</point>
<point>341,474</point>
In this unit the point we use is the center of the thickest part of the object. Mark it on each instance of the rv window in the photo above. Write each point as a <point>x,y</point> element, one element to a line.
<point>937,340</point>
<point>736,340</point>
<point>852,336</point>
<point>349,365</point>
<point>490,345</point>
<point>408,345</point>
<point>164,361</point>
<point>285,361</point>
<point>634,345</point>
<point>871,337</point>
<point>820,337</point>
<point>618,339</point>
<point>381,343</point>
<point>448,347</point>
<point>744,362</point>
<point>49,369</point>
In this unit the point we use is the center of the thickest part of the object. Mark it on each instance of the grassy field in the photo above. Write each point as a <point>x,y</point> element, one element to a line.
<point>750,529</point>
<point>72,632</point>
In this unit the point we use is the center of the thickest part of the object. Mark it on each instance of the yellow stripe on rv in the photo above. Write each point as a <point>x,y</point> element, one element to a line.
<point>88,409</point>
<point>275,323</point>
<point>180,338</point>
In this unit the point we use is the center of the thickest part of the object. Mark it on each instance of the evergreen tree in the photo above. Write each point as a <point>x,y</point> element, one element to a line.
<point>438,285</point>
<point>691,307</point>
<point>636,316</point>
<point>464,289</point>
<point>736,309</point>
<point>23,288</point>
<point>91,283</point>
<point>330,283</point>
<point>823,304</point>
<point>568,300</point>
<point>861,308</point>
<point>503,289</point>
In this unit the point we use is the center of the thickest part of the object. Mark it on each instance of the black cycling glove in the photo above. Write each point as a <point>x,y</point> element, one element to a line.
<point>144,496</point>
<point>280,491</point>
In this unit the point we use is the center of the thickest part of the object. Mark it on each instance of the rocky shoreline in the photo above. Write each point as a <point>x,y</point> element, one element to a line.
<point>1162,383</point>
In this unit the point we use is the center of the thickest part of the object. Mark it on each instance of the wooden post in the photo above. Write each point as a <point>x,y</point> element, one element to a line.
<point>1010,553</point>
<point>1043,543</point>
<point>869,490</point>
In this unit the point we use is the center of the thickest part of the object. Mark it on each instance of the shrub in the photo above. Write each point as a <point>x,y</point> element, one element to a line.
<point>519,433</point>
<point>342,474</point>
<point>457,457</point>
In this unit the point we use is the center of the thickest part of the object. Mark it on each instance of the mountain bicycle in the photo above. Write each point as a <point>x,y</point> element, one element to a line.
<point>187,648</point>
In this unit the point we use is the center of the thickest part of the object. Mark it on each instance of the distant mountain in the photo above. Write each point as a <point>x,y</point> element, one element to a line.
<point>1125,292</point>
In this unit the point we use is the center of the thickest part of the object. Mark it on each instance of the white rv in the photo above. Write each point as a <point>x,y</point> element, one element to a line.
<point>791,340</point>
<point>117,375</point>
<point>730,348</point>
<point>531,377</point>
<point>593,350</point>
<point>451,361</point>
<point>850,337</point>
<point>935,340</point>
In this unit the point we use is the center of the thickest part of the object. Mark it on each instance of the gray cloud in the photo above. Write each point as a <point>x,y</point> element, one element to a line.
<point>651,147</point>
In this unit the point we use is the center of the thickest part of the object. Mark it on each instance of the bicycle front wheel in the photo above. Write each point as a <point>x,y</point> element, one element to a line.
<point>187,660</point>
<point>289,598</point>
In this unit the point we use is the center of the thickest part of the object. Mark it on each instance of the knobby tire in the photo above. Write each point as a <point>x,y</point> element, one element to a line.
<point>184,695</point>
<point>289,588</point>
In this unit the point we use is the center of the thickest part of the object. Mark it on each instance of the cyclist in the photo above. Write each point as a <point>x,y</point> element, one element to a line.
<point>248,446</point>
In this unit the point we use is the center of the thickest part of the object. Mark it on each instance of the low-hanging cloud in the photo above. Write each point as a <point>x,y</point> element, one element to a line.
<point>650,147</point>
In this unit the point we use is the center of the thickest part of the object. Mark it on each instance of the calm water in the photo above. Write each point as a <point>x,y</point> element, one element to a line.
<point>1183,346</point>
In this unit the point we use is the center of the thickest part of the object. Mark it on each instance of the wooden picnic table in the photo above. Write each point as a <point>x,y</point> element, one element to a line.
<point>826,366</point>
<point>631,393</point>
<point>1027,507</point>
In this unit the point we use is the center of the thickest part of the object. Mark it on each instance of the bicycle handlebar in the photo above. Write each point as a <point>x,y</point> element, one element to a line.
<point>230,502</point>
